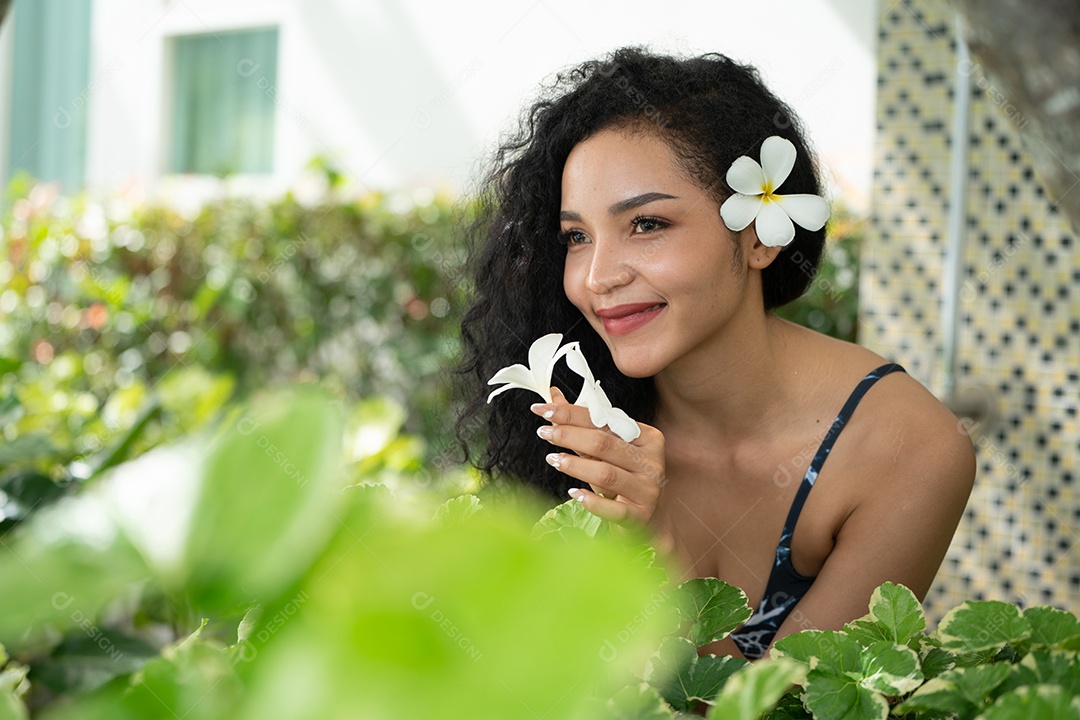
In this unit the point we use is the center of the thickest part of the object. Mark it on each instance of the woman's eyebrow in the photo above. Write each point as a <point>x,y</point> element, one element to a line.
<point>636,201</point>
<point>622,206</point>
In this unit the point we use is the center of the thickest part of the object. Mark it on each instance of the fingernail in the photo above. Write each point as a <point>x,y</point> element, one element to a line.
<point>544,431</point>
<point>536,407</point>
<point>553,459</point>
<point>576,494</point>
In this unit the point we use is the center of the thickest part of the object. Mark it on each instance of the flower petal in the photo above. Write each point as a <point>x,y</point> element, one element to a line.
<point>745,176</point>
<point>622,425</point>
<point>575,359</point>
<point>740,210</point>
<point>808,211</point>
<point>542,350</point>
<point>777,159</point>
<point>517,376</point>
<point>773,226</point>
<point>504,388</point>
<point>592,397</point>
<point>541,357</point>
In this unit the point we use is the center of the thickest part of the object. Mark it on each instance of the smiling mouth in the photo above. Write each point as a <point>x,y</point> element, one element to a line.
<point>630,323</point>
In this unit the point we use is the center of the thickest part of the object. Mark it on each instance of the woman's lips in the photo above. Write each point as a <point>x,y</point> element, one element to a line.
<point>630,323</point>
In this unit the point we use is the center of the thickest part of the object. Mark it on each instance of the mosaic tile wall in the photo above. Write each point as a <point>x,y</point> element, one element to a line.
<point>1019,327</point>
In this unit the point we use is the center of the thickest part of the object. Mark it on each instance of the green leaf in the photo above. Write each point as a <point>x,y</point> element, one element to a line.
<point>1047,667</point>
<point>457,509</point>
<point>11,708</point>
<point>828,649</point>
<point>756,689</point>
<point>424,613</point>
<point>890,669</point>
<point>712,607</point>
<point>937,696</point>
<point>89,657</point>
<point>13,678</point>
<point>683,678</point>
<point>25,493</point>
<point>848,680</point>
<point>982,625</point>
<point>638,702</point>
<point>935,661</point>
<point>570,514</point>
<point>68,562</point>
<point>977,683</point>
<point>896,610</point>
<point>248,623</point>
<point>866,631</point>
<point>196,680</point>
<point>1045,703</point>
<point>1051,627</point>
<point>267,502</point>
<point>647,560</point>
<point>790,707</point>
<point>834,695</point>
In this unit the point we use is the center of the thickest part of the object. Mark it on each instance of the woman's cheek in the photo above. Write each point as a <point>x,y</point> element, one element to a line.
<point>572,282</point>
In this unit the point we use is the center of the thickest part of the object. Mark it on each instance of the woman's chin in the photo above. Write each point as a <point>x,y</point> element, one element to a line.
<point>635,365</point>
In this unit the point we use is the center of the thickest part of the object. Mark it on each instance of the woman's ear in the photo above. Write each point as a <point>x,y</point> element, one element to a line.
<point>758,255</point>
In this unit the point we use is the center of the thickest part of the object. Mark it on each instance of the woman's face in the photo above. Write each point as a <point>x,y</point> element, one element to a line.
<point>640,233</point>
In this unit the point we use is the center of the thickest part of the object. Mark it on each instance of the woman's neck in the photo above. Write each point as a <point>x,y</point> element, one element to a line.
<point>736,384</point>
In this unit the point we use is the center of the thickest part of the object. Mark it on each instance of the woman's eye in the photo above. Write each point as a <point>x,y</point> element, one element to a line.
<point>647,224</point>
<point>574,237</point>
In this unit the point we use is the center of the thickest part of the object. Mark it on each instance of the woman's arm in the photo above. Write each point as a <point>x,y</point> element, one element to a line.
<point>915,480</point>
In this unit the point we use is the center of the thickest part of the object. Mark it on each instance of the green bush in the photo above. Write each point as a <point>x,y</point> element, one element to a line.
<point>246,573</point>
<point>104,316</point>
<point>831,304</point>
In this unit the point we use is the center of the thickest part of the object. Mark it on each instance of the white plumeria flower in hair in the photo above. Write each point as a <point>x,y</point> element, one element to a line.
<point>543,354</point>
<point>601,412</point>
<point>755,199</point>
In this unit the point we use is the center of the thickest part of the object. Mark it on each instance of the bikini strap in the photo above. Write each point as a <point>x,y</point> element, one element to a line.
<point>823,450</point>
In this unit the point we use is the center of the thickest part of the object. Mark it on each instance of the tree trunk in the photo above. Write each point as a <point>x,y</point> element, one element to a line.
<point>1026,58</point>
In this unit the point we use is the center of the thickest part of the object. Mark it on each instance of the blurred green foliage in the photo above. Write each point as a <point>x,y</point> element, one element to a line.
<point>831,304</point>
<point>241,573</point>
<point>108,311</point>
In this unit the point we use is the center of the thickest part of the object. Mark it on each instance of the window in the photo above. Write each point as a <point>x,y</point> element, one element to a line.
<point>50,91</point>
<point>223,102</point>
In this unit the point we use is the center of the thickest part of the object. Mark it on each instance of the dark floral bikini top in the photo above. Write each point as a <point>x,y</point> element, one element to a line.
<point>786,587</point>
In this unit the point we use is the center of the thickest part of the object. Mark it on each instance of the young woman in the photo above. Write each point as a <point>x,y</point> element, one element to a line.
<point>611,218</point>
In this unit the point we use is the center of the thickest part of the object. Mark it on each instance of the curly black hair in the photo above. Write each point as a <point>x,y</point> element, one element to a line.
<point>710,110</point>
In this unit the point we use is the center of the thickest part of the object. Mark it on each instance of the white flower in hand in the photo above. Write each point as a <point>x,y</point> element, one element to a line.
<point>543,354</point>
<point>755,199</point>
<point>601,412</point>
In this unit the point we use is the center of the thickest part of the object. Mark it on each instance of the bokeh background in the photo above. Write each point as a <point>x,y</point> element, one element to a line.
<point>205,198</point>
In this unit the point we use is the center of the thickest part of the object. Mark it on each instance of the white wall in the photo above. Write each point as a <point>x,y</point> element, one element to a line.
<point>7,53</point>
<point>414,92</point>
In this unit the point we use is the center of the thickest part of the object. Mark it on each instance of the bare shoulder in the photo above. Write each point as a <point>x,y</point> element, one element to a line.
<point>903,433</point>
<point>908,440</point>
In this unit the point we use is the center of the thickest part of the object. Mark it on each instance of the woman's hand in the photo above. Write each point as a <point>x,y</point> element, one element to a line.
<point>626,477</point>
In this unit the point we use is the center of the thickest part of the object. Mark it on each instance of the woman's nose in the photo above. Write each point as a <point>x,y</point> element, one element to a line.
<point>608,269</point>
